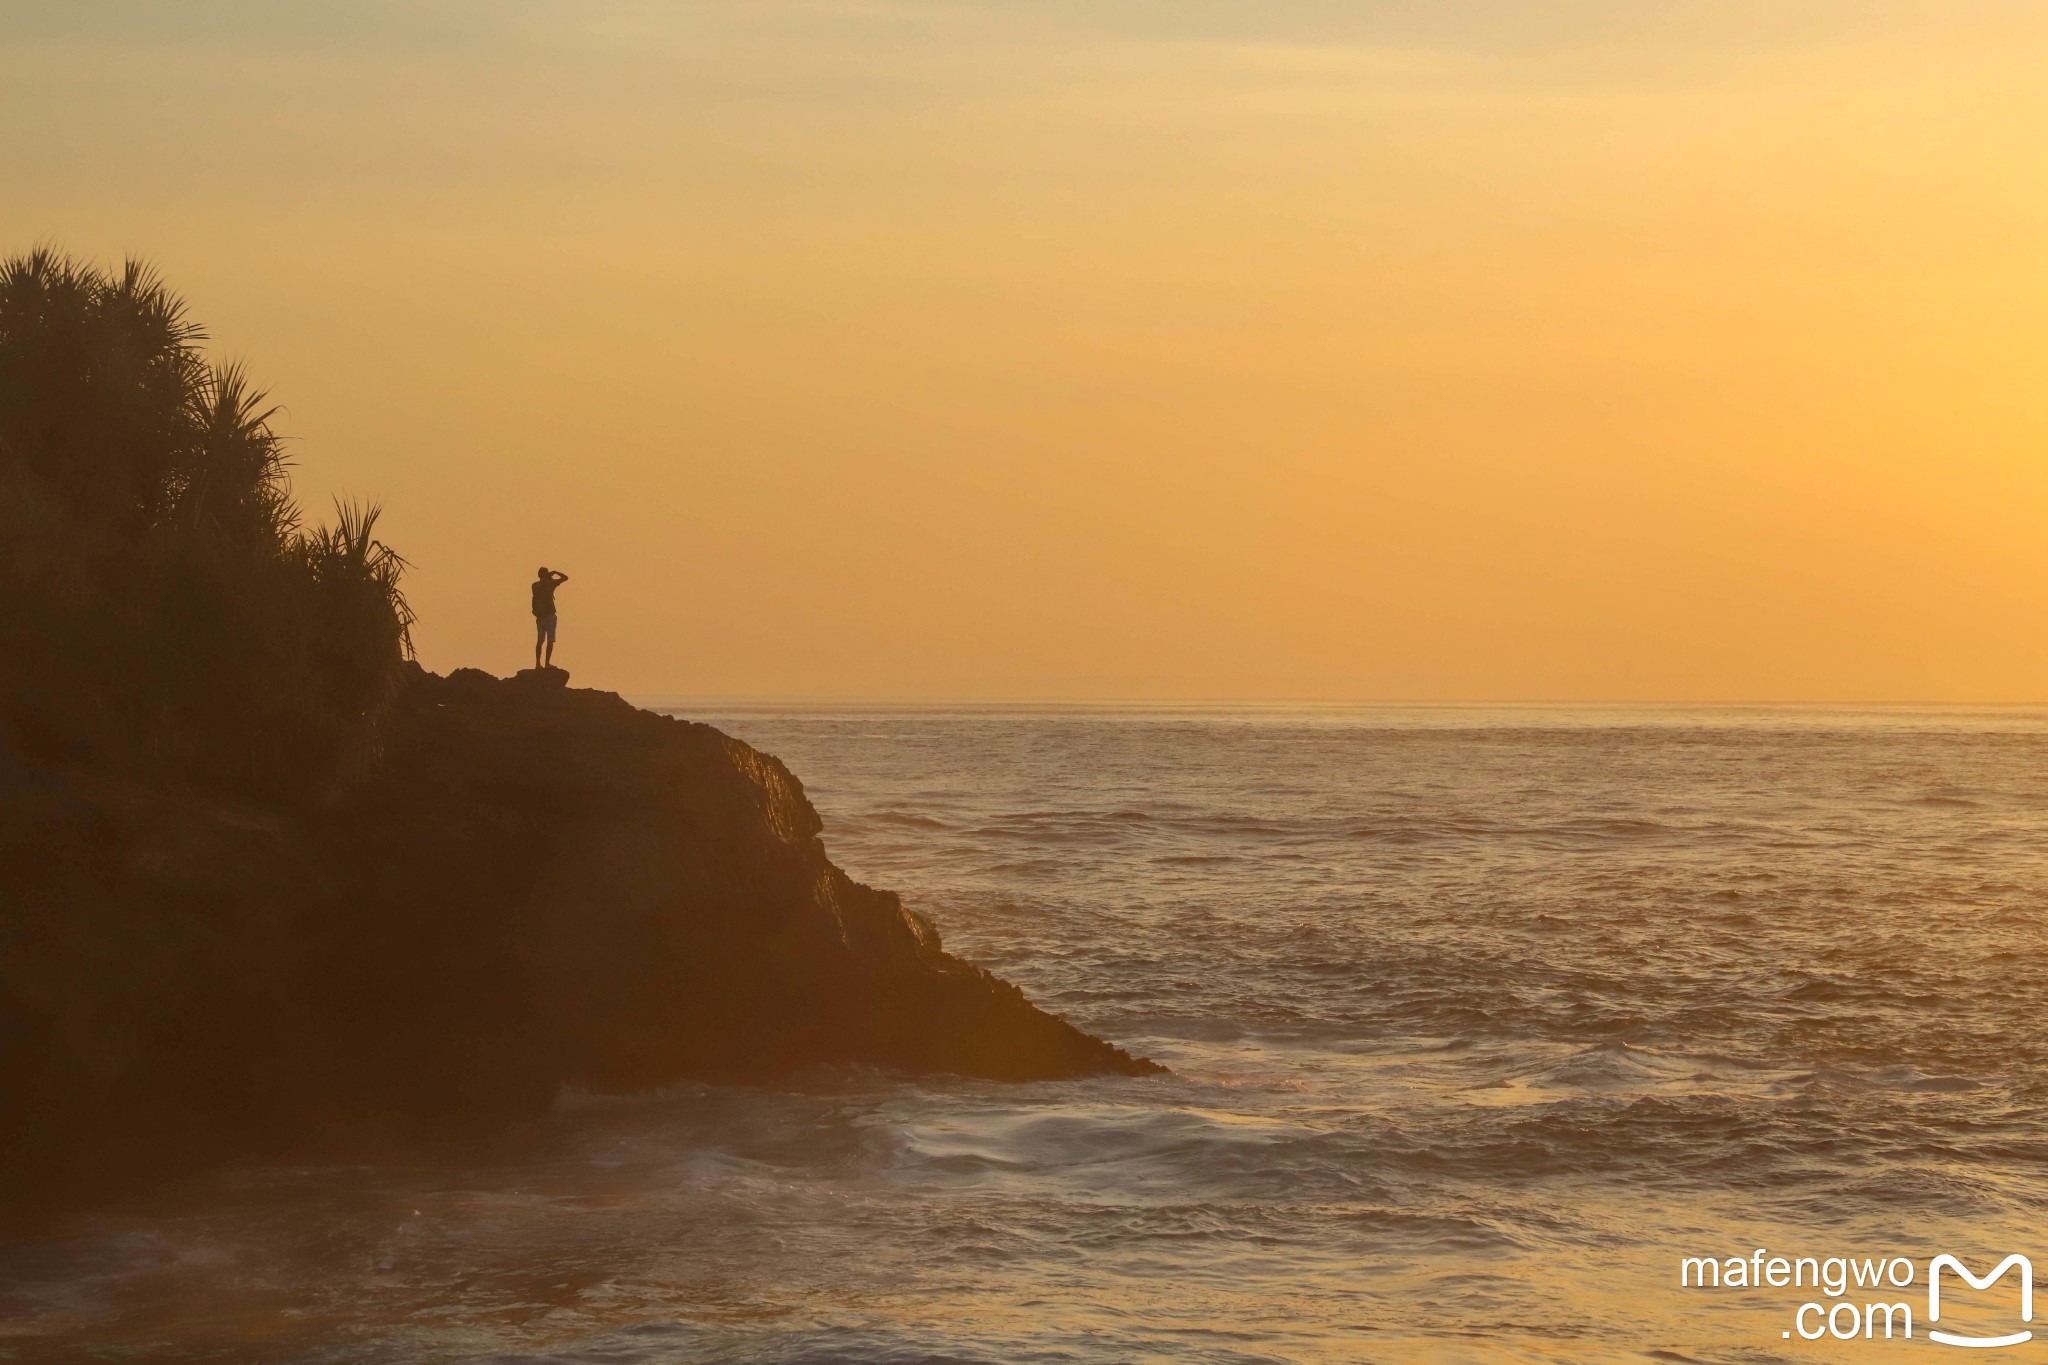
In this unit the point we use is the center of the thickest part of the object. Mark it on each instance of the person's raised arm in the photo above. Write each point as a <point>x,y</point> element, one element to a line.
<point>561,577</point>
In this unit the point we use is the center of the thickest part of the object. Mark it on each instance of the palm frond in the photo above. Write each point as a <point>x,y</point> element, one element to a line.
<point>233,480</point>
<point>168,579</point>
<point>349,554</point>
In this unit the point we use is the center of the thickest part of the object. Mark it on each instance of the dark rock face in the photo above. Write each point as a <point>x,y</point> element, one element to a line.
<point>541,886</point>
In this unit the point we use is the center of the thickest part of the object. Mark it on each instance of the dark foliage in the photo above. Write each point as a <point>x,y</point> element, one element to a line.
<point>163,609</point>
<point>225,930</point>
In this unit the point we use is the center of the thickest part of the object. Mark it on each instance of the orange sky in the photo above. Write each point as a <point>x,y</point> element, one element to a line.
<point>1602,349</point>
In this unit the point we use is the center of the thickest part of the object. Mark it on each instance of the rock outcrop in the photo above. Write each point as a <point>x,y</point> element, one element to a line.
<point>538,886</point>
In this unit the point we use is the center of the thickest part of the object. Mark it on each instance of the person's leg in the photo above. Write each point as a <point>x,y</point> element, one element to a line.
<point>540,632</point>
<point>550,633</point>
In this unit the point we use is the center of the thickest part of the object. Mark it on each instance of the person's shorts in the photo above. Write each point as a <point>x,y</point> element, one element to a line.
<point>545,628</point>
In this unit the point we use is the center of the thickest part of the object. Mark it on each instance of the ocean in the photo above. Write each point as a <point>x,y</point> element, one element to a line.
<point>1481,1021</point>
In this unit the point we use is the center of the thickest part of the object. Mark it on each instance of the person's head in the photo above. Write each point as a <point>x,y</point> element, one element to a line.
<point>543,571</point>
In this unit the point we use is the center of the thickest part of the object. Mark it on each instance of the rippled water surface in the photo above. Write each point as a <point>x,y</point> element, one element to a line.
<point>1479,1019</point>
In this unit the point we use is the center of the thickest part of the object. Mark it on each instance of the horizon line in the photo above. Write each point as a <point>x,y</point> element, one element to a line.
<point>715,700</point>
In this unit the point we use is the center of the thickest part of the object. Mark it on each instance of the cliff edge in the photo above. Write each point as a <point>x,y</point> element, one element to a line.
<point>266,886</point>
<point>538,886</point>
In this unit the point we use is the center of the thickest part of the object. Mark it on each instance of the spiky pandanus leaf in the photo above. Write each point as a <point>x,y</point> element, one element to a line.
<point>96,370</point>
<point>169,605</point>
<point>234,480</point>
<point>348,556</point>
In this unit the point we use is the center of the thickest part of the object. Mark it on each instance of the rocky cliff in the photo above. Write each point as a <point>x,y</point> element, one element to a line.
<point>538,886</point>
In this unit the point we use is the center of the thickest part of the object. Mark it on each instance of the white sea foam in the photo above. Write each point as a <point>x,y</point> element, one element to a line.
<point>1479,1019</point>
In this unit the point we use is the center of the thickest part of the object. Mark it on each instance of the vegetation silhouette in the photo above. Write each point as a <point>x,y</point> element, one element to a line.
<point>267,886</point>
<point>167,609</point>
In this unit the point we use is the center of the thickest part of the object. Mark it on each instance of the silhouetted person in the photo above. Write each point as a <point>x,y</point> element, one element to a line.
<point>544,614</point>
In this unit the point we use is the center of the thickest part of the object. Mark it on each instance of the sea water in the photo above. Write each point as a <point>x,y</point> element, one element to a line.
<point>1481,1021</point>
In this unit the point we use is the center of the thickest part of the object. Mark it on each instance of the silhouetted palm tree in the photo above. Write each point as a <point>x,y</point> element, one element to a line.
<point>96,374</point>
<point>166,602</point>
<point>232,478</point>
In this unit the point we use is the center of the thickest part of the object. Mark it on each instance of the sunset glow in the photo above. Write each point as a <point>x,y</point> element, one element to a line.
<point>1609,349</point>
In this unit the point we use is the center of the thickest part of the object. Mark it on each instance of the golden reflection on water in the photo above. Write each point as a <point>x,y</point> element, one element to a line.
<point>1480,1024</point>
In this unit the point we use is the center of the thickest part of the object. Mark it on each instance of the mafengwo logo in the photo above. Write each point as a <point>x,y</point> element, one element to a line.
<point>1860,1298</point>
